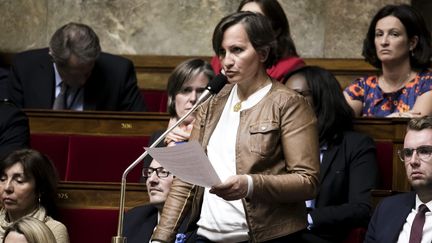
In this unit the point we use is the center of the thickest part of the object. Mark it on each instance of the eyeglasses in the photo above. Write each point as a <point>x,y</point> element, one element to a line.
<point>423,152</point>
<point>160,172</point>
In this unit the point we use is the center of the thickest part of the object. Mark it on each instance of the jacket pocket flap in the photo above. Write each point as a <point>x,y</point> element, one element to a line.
<point>263,127</point>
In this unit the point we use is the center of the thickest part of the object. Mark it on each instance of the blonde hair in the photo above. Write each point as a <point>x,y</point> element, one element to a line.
<point>34,230</point>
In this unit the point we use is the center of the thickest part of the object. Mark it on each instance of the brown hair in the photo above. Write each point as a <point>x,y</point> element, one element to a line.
<point>414,25</point>
<point>184,72</point>
<point>37,166</point>
<point>258,29</point>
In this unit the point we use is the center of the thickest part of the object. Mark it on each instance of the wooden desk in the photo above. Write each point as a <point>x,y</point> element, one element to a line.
<point>100,195</point>
<point>96,123</point>
<point>132,124</point>
<point>107,195</point>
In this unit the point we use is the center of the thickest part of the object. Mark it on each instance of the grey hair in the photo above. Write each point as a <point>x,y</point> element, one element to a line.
<point>74,39</point>
<point>418,124</point>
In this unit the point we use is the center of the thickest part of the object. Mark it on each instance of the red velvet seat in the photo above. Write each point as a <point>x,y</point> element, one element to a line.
<point>385,174</point>
<point>385,164</point>
<point>55,146</point>
<point>156,100</point>
<point>356,235</point>
<point>104,158</point>
<point>90,225</point>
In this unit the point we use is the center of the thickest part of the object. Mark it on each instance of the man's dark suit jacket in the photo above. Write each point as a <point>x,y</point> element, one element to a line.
<point>139,223</point>
<point>14,129</point>
<point>389,218</point>
<point>347,174</point>
<point>4,89</point>
<point>112,85</point>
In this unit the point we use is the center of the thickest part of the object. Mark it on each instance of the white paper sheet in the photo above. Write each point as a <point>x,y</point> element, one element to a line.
<point>188,162</point>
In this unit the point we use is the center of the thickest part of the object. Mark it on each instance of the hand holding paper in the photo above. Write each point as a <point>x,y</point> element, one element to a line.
<point>188,162</point>
<point>234,188</point>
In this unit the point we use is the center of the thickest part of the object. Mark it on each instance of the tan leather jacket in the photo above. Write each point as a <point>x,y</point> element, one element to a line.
<point>277,144</point>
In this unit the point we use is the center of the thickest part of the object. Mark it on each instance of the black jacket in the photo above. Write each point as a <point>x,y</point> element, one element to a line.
<point>14,128</point>
<point>112,85</point>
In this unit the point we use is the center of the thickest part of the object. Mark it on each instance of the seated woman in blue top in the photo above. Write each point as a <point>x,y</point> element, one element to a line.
<point>399,44</point>
<point>348,169</point>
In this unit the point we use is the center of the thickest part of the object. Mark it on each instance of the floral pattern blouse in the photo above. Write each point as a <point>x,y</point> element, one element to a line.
<point>379,104</point>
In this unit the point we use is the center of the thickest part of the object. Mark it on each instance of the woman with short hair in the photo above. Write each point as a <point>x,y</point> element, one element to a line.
<point>28,186</point>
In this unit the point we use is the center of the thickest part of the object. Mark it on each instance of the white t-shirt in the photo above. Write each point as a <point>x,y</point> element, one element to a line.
<point>221,220</point>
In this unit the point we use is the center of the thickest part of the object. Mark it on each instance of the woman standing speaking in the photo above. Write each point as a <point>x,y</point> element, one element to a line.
<point>260,137</point>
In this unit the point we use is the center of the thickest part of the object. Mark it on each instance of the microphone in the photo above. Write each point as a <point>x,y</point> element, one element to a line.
<point>213,87</point>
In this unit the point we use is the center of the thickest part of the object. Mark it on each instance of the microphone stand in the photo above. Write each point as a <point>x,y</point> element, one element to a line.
<point>119,238</point>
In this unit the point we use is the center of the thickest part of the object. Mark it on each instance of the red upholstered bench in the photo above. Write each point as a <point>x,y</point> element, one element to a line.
<point>156,100</point>
<point>356,235</point>
<point>104,158</point>
<point>90,225</point>
<point>385,163</point>
<point>55,146</point>
<point>385,173</point>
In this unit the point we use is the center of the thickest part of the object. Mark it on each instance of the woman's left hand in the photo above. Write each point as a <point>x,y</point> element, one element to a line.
<point>234,188</point>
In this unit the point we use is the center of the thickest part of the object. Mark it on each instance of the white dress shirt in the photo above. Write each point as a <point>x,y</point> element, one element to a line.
<point>427,228</point>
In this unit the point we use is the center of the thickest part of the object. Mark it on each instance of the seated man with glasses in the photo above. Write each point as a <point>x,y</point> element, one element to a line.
<point>139,222</point>
<point>407,217</point>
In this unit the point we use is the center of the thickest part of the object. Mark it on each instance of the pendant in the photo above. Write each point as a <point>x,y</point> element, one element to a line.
<point>237,106</point>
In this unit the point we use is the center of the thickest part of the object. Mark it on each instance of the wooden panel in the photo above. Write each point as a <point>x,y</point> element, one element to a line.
<point>161,62</point>
<point>343,66</point>
<point>100,195</point>
<point>96,123</point>
<point>345,70</point>
<point>390,130</point>
<point>382,128</point>
<point>153,71</point>
<point>132,124</point>
<point>106,195</point>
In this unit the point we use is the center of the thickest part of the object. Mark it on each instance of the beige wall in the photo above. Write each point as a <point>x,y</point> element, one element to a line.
<point>320,28</point>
